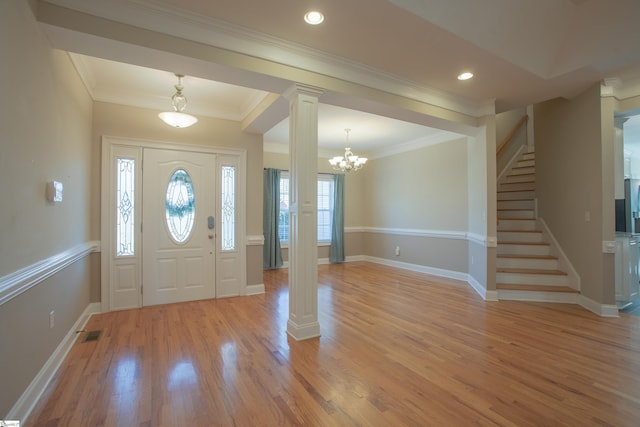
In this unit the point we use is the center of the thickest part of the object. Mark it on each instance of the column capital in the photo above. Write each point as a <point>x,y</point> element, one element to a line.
<point>302,89</point>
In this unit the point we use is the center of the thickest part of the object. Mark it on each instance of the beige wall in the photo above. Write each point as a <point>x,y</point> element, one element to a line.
<point>505,122</point>
<point>140,123</point>
<point>45,134</point>
<point>569,174</point>
<point>424,189</point>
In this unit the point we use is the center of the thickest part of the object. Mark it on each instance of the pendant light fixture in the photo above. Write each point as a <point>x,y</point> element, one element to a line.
<point>349,162</point>
<point>177,118</point>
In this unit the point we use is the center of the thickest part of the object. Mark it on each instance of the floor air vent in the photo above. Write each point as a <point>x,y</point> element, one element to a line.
<point>92,336</point>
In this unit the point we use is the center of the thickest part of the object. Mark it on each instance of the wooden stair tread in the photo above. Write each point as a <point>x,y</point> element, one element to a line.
<point>525,243</point>
<point>517,200</point>
<point>517,182</point>
<point>535,288</point>
<point>515,219</point>
<point>515,209</point>
<point>544,257</point>
<point>531,271</point>
<point>519,231</point>
<point>513,191</point>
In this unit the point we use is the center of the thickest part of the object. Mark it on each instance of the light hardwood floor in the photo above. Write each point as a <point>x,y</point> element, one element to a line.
<point>397,348</point>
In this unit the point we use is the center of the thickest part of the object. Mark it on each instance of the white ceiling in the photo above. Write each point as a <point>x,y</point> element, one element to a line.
<point>521,51</point>
<point>120,83</point>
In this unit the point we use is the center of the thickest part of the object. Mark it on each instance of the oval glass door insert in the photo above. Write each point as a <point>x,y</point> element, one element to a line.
<point>180,206</point>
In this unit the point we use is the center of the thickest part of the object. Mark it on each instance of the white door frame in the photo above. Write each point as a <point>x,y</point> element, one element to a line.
<point>114,147</point>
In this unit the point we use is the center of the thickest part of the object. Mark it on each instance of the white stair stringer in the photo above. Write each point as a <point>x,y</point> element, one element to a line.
<point>530,266</point>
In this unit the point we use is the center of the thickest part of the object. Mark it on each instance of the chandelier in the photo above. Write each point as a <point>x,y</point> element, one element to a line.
<point>177,118</point>
<point>349,162</point>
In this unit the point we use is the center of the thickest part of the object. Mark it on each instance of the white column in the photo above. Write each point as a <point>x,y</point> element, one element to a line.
<point>303,212</point>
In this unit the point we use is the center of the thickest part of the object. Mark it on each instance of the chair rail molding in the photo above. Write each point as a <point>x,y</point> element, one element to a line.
<point>24,279</point>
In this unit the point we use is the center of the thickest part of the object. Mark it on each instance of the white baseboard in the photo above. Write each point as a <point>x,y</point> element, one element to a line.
<point>440,272</point>
<point>481,290</point>
<point>603,310</point>
<point>255,289</point>
<point>31,395</point>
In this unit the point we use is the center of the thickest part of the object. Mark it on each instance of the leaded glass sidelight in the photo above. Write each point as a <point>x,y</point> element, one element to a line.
<point>125,213</point>
<point>228,220</point>
<point>180,206</point>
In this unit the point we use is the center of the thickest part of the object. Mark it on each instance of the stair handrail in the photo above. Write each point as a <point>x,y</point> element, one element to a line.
<point>511,134</point>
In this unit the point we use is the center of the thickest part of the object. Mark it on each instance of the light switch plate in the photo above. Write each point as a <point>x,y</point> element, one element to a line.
<point>54,191</point>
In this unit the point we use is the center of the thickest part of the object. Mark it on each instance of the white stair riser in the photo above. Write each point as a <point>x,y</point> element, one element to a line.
<point>516,195</point>
<point>529,214</point>
<point>523,249</point>
<point>522,171</point>
<point>506,224</point>
<point>529,263</point>
<point>530,162</point>
<point>516,204</point>
<point>537,296</point>
<point>532,279</point>
<point>518,178</point>
<point>517,186</point>
<point>514,236</point>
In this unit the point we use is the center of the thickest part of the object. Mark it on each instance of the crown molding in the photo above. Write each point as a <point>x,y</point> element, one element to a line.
<point>620,89</point>
<point>433,139</point>
<point>436,138</point>
<point>221,34</point>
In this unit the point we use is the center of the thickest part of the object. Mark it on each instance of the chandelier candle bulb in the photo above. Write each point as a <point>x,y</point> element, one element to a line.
<point>349,162</point>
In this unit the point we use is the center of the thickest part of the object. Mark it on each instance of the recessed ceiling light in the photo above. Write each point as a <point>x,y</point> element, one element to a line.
<point>465,76</point>
<point>313,17</point>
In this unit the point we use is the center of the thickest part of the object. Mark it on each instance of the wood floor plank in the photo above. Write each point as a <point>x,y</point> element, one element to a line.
<point>397,348</point>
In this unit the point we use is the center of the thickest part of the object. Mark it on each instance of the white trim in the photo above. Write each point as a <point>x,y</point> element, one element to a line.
<point>481,290</point>
<point>178,22</point>
<point>168,145</point>
<point>513,160</point>
<point>255,289</point>
<point>24,279</point>
<point>354,230</point>
<point>31,395</point>
<point>439,234</point>
<point>427,141</point>
<point>439,272</point>
<point>603,310</point>
<point>563,259</point>
<point>255,240</point>
<point>434,271</point>
<point>487,241</point>
<point>108,145</point>
<point>538,296</point>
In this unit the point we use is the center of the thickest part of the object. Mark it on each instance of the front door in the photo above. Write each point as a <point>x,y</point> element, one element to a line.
<point>178,206</point>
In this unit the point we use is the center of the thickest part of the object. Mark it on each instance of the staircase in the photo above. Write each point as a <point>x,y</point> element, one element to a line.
<point>527,267</point>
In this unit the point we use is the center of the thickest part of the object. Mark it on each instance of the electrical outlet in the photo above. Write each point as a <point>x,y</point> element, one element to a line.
<point>52,319</point>
<point>397,250</point>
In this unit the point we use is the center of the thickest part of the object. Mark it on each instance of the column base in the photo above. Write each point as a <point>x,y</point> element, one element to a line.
<point>303,332</point>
